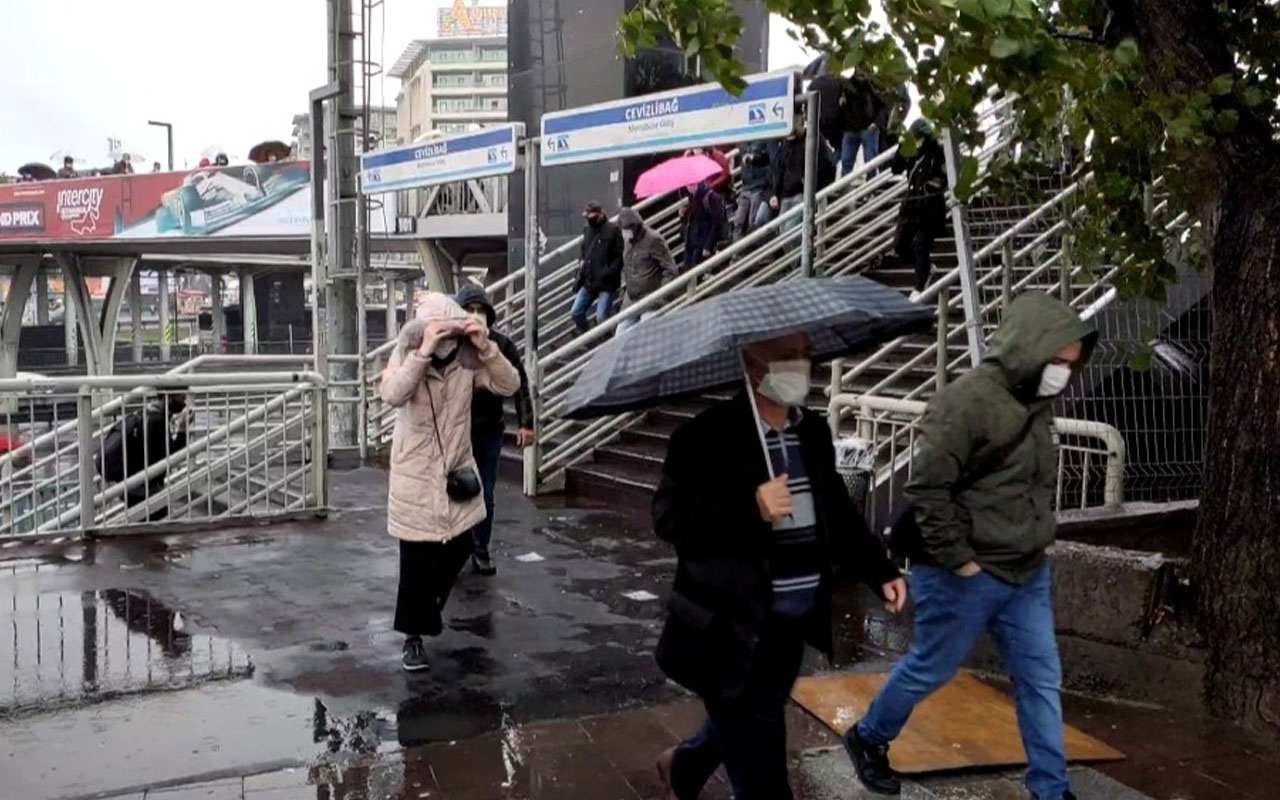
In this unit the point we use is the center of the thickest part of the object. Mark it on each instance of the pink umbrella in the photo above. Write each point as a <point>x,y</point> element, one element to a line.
<point>675,173</point>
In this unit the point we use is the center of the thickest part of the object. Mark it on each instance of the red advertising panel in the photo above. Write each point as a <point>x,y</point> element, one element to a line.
<point>250,200</point>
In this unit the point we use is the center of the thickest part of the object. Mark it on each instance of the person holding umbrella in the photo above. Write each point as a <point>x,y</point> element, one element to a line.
<point>758,540</point>
<point>762,524</point>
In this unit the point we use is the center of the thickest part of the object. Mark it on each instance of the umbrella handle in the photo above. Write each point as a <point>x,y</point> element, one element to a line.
<point>755,412</point>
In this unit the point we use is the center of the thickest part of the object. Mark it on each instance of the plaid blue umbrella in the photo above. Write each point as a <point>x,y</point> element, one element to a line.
<point>696,349</point>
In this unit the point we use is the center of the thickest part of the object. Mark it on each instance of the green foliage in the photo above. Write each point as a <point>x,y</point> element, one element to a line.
<point>1076,71</point>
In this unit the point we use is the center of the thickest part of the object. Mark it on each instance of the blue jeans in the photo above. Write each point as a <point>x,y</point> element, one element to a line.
<point>868,138</point>
<point>950,614</point>
<point>747,734</point>
<point>486,446</point>
<point>602,300</point>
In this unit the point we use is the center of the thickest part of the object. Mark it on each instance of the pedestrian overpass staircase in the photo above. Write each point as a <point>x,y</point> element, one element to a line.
<point>1014,245</point>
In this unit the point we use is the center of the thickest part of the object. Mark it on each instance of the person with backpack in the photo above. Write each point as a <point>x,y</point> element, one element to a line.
<point>145,437</point>
<point>706,224</point>
<point>979,520</point>
<point>923,212</point>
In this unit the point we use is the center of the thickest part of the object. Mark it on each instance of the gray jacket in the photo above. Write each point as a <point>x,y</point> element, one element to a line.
<point>646,261</point>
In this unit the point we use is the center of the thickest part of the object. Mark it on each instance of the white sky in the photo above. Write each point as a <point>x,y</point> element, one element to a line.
<point>75,72</point>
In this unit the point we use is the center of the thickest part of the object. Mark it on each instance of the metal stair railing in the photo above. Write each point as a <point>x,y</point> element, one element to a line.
<point>556,279</point>
<point>1090,469</point>
<point>768,254</point>
<point>265,429</point>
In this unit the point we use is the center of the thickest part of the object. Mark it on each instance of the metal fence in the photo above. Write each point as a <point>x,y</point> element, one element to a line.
<point>91,454</point>
<point>1091,455</point>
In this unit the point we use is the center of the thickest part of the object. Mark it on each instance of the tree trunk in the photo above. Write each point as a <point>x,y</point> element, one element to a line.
<point>1236,558</point>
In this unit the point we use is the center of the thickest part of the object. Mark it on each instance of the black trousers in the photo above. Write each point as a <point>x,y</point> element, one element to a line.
<point>427,573</point>
<point>913,242</point>
<point>747,734</point>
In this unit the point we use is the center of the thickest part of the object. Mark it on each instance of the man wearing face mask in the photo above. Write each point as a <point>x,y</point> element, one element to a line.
<point>600,274</point>
<point>762,536</point>
<point>488,421</point>
<point>981,505</point>
<point>647,262</point>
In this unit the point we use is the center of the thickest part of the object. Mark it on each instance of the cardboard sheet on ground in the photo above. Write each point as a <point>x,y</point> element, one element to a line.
<point>964,724</point>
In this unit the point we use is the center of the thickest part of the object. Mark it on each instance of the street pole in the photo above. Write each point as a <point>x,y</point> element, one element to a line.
<point>533,453</point>
<point>811,145</point>
<point>168,127</point>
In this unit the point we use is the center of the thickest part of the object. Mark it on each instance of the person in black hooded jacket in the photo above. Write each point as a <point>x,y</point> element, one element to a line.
<point>488,423</point>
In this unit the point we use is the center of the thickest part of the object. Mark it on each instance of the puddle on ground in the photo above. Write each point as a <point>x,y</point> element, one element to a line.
<point>75,646</point>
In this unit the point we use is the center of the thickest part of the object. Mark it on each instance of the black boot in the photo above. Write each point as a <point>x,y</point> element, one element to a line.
<point>872,763</point>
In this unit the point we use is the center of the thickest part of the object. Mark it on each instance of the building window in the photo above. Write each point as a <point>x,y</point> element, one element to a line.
<point>495,79</point>
<point>495,104</point>
<point>447,81</point>
<point>451,55</point>
<point>452,127</point>
<point>493,54</point>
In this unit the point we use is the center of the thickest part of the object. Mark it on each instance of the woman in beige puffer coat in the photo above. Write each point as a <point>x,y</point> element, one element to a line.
<point>441,355</point>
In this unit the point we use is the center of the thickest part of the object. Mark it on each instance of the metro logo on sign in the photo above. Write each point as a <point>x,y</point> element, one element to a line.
<point>700,116</point>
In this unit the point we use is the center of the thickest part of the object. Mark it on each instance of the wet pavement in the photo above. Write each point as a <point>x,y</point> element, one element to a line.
<point>260,664</point>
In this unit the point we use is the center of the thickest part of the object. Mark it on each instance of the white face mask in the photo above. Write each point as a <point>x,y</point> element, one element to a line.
<point>787,382</point>
<point>628,235</point>
<point>1053,380</point>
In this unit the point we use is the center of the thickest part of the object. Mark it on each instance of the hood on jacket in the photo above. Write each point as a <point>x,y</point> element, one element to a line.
<point>628,217</point>
<point>434,307</point>
<point>470,294</point>
<point>1034,329</point>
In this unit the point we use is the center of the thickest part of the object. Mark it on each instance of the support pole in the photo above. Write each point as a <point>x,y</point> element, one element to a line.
<point>219,314</point>
<point>249,312</point>
<point>120,281</point>
<point>944,328</point>
<point>964,252</point>
<point>81,304</point>
<point>811,143</point>
<point>166,351</point>
<point>391,308</point>
<point>135,315</point>
<point>1064,274</point>
<point>71,336</point>
<point>15,303</point>
<point>42,297</point>
<point>533,453</point>
<point>1006,277</point>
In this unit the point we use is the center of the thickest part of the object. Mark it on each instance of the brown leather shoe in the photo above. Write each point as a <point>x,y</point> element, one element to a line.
<point>664,771</point>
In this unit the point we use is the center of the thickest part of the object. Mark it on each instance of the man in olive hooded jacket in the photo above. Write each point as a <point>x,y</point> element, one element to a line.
<point>981,491</point>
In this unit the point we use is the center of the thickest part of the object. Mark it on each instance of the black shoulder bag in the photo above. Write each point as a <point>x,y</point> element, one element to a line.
<point>461,484</point>
<point>906,540</point>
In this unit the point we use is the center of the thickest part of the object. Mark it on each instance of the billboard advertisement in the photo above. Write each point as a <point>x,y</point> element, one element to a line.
<point>246,200</point>
<point>465,19</point>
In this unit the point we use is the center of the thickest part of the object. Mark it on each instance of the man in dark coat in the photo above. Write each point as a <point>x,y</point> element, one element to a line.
<point>706,224</point>
<point>488,422</point>
<point>758,560</point>
<point>600,275</point>
<point>923,213</point>
<point>145,437</point>
<point>757,181</point>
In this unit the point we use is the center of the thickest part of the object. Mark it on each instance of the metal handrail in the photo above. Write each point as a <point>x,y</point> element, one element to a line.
<point>1113,442</point>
